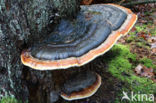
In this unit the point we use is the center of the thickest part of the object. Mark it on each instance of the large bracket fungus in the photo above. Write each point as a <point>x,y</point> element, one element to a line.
<point>76,42</point>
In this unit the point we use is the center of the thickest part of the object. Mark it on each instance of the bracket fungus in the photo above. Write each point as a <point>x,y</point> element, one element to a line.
<point>76,42</point>
<point>81,86</point>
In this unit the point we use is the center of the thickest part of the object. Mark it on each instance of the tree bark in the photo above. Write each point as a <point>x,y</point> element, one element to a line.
<point>23,22</point>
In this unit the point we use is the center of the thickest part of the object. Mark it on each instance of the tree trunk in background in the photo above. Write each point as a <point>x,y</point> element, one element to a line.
<point>23,22</point>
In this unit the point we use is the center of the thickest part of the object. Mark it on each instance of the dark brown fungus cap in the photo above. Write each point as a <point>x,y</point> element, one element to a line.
<point>81,86</point>
<point>75,43</point>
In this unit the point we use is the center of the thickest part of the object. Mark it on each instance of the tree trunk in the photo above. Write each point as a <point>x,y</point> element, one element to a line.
<point>23,22</point>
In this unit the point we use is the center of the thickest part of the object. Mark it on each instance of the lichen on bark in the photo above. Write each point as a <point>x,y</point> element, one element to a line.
<point>13,30</point>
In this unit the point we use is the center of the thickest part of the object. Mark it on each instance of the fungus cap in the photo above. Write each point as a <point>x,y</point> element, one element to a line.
<point>77,42</point>
<point>81,86</point>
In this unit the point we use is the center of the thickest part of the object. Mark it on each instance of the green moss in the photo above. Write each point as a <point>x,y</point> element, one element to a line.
<point>141,28</point>
<point>143,44</point>
<point>147,13</point>
<point>120,67</point>
<point>147,62</point>
<point>122,51</point>
<point>140,41</point>
<point>9,100</point>
<point>146,28</point>
<point>131,38</point>
<point>119,63</point>
<point>153,32</point>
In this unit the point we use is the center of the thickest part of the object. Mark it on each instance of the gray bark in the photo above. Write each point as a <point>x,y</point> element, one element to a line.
<point>23,22</point>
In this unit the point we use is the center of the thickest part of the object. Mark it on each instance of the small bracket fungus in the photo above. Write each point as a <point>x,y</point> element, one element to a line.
<point>77,42</point>
<point>81,86</point>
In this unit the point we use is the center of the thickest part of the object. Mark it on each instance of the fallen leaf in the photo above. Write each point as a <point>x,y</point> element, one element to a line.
<point>144,71</point>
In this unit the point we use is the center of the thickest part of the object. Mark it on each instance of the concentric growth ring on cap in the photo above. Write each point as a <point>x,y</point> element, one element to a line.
<point>75,43</point>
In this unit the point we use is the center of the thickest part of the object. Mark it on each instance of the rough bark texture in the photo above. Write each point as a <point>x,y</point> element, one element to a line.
<point>23,22</point>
